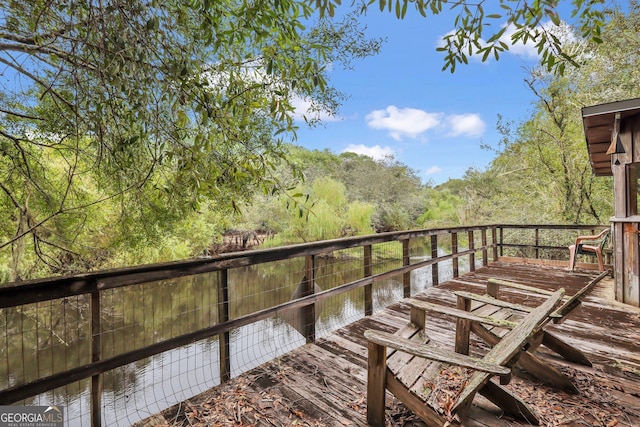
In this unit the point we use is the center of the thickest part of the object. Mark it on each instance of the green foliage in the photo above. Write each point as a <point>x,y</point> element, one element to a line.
<point>542,171</point>
<point>443,208</point>
<point>327,214</point>
<point>140,114</point>
<point>479,28</point>
<point>394,190</point>
<point>135,131</point>
<point>330,191</point>
<point>359,216</point>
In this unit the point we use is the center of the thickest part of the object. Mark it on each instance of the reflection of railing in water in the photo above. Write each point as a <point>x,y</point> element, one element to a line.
<point>232,302</point>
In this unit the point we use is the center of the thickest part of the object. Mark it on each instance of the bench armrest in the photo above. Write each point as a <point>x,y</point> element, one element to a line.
<point>425,351</point>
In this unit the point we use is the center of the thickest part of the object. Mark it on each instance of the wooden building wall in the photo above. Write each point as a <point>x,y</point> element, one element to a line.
<point>626,220</point>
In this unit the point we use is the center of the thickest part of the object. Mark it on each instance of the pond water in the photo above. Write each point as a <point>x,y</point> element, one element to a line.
<point>138,390</point>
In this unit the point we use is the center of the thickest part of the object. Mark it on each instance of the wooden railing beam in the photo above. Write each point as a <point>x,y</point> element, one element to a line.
<point>434,256</point>
<point>368,272</point>
<point>223,317</point>
<point>406,276</point>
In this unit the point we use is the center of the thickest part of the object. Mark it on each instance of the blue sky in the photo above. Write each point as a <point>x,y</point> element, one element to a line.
<point>402,103</point>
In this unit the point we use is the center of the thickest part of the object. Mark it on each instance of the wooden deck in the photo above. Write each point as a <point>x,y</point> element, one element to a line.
<point>324,383</point>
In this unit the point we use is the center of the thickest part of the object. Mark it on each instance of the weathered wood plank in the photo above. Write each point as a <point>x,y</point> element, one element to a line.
<point>440,355</point>
<point>519,286</point>
<point>486,299</point>
<point>460,314</point>
<point>575,301</point>
<point>511,344</point>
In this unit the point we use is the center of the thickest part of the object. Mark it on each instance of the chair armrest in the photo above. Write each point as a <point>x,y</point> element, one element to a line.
<point>598,236</point>
<point>425,351</point>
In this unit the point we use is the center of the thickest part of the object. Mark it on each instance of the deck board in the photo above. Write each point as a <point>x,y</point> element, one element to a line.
<point>324,383</point>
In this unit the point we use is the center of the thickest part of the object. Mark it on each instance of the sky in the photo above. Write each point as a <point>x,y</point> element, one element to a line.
<point>402,103</point>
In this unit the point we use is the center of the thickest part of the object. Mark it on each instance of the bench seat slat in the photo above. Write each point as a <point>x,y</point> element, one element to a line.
<point>487,299</point>
<point>460,314</point>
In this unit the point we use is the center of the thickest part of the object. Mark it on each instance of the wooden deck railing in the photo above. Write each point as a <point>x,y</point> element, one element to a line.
<point>482,241</point>
<point>540,241</point>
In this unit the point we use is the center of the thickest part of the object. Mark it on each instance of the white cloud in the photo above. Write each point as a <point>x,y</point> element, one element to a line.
<point>313,112</point>
<point>470,125</point>
<point>433,170</point>
<point>412,122</point>
<point>376,152</point>
<point>409,122</point>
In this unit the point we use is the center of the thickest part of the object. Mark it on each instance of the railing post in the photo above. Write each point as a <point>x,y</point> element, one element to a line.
<point>485,253</point>
<point>368,272</point>
<point>223,316</point>
<point>454,252</point>
<point>96,349</point>
<point>537,232</point>
<point>434,255</point>
<point>406,277</point>
<point>309,289</point>
<point>472,255</point>
<point>495,246</point>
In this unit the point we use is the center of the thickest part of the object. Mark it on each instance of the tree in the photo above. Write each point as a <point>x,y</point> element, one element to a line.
<point>542,171</point>
<point>155,106</point>
<point>393,188</point>
<point>328,214</point>
<point>556,136</point>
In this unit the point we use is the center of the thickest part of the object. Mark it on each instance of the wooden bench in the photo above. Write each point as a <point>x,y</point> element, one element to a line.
<point>439,385</point>
<point>509,313</point>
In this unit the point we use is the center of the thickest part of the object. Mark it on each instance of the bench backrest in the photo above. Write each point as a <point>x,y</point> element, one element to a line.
<point>511,344</point>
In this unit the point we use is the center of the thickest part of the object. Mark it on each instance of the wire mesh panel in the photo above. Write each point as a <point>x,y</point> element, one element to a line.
<point>135,317</point>
<point>332,270</point>
<point>541,241</point>
<point>42,339</point>
<point>138,390</point>
<point>259,287</point>
<point>73,398</point>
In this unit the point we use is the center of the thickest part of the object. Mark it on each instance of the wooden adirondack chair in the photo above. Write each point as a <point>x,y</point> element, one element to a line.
<point>504,313</point>
<point>425,377</point>
<point>589,245</point>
